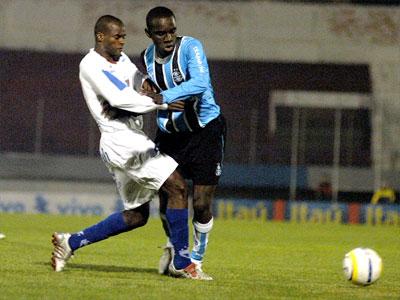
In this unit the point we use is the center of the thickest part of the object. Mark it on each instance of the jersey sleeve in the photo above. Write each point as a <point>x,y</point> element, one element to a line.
<point>199,76</point>
<point>110,88</point>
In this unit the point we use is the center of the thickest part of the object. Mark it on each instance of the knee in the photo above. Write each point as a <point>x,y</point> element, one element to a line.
<point>175,188</point>
<point>135,219</point>
<point>179,191</point>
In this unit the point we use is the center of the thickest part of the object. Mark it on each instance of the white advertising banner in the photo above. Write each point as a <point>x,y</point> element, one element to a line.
<point>63,203</point>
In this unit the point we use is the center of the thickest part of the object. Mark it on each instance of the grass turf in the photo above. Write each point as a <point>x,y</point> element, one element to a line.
<point>248,260</point>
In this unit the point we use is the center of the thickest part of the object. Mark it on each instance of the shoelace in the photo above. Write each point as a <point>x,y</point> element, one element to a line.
<point>59,252</point>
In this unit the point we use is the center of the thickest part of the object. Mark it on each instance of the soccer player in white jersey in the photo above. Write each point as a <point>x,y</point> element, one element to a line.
<point>139,170</point>
<point>2,236</point>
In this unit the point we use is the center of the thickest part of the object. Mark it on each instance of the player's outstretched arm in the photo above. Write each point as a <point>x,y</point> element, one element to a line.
<point>116,92</point>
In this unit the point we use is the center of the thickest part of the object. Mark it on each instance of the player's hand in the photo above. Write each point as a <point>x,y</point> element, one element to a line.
<point>177,105</point>
<point>149,86</point>
<point>157,98</point>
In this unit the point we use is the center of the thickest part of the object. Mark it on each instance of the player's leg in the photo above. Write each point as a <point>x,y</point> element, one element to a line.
<point>177,144</point>
<point>136,213</point>
<point>176,218</point>
<point>65,243</point>
<point>114,224</point>
<point>175,189</point>
<point>202,220</point>
<point>205,171</point>
<point>159,173</point>
<point>166,146</point>
<point>2,235</point>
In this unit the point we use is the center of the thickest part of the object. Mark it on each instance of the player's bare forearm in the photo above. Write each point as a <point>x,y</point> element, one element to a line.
<point>177,105</point>
<point>158,99</point>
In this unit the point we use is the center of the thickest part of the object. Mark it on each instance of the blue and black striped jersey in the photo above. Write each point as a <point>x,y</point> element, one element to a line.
<point>184,76</point>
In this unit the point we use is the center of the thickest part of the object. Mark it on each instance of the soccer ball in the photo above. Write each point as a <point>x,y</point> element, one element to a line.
<point>362,266</point>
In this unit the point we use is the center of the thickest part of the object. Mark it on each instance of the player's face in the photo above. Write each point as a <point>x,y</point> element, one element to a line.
<point>163,35</point>
<point>114,41</point>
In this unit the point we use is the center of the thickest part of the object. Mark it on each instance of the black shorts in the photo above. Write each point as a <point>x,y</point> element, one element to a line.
<point>199,154</point>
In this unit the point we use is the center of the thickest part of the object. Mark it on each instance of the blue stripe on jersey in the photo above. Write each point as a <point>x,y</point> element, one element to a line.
<point>118,83</point>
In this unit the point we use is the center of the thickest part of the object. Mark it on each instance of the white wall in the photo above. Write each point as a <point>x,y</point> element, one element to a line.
<point>230,30</point>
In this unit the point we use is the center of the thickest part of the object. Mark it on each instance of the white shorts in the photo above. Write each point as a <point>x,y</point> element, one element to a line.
<point>138,169</point>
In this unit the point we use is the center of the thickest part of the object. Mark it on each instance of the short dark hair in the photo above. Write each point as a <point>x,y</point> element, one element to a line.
<point>103,22</point>
<point>158,12</point>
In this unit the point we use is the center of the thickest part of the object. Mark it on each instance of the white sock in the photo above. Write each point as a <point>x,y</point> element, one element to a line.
<point>200,238</point>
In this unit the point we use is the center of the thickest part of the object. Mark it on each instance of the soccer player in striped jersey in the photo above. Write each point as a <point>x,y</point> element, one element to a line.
<point>195,137</point>
<point>138,168</point>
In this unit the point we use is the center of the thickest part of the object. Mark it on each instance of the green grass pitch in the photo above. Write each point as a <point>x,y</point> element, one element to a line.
<point>248,260</point>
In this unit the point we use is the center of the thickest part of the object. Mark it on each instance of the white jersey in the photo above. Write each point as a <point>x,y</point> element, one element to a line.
<point>115,82</point>
<point>138,168</point>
